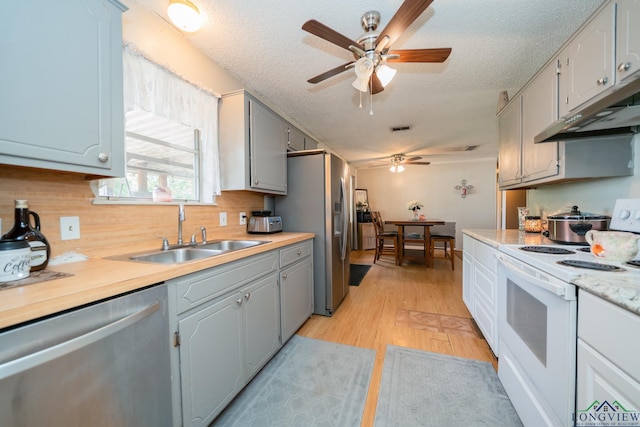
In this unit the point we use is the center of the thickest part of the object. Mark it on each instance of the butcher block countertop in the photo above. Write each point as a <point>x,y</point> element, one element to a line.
<point>96,279</point>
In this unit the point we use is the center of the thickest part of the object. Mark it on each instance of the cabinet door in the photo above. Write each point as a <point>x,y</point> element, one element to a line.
<point>296,293</point>
<point>509,144</point>
<point>587,62</point>
<point>211,359</point>
<point>467,281</point>
<point>268,149</point>
<point>599,380</point>
<point>61,97</point>
<point>628,38</point>
<point>261,310</point>
<point>539,110</point>
<point>295,139</point>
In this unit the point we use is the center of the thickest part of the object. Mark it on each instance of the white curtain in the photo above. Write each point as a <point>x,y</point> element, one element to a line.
<point>155,89</point>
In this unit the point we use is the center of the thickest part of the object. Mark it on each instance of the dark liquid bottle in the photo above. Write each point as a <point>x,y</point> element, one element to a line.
<point>22,230</point>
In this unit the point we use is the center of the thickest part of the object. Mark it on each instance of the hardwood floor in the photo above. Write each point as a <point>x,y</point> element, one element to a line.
<point>396,305</point>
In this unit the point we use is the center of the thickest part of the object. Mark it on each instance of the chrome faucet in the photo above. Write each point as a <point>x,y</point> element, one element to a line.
<point>204,234</point>
<point>180,221</point>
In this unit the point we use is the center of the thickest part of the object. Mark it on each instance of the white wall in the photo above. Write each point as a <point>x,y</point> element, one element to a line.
<point>594,196</point>
<point>433,185</point>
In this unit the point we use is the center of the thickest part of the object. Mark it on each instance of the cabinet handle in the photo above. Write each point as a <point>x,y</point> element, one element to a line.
<point>298,252</point>
<point>256,182</point>
<point>239,301</point>
<point>602,81</point>
<point>103,157</point>
<point>247,296</point>
<point>284,276</point>
<point>624,66</point>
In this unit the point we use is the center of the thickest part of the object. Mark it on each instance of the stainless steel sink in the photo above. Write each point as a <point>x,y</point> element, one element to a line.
<point>175,256</point>
<point>190,253</point>
<point>230,245</point>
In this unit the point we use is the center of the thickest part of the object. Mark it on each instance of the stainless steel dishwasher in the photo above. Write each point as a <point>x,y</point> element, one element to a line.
<point>106,364</point>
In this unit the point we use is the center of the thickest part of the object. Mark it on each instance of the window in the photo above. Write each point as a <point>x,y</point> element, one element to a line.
<point>171,138</point>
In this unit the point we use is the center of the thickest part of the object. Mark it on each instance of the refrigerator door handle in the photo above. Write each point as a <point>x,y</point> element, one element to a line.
<point>345,219</point>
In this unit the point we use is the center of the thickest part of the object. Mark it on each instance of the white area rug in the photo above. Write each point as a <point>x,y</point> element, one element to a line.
<point>308,383</point>
<point>419,388</point>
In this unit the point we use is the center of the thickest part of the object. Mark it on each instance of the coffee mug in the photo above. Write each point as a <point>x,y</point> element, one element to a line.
<point>613,245</point>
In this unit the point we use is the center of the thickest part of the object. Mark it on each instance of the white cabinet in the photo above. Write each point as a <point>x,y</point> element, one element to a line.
<point>296,287</point>
<point>253,145</point>
<point>608,348</point>
<point>521,161</point>
<point>479,287</point>
<point>587,62</point>
<point>627,39</point>
<point>61,85</point>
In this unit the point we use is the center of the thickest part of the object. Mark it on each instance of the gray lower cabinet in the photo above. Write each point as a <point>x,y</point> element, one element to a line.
<point>296,287</point>
<point>229,321</point>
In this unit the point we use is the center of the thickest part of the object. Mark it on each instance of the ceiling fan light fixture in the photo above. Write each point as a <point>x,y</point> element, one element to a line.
<point>184,15</point>
<point>396,168</point>
<point>385,74</point>
<point>363,70</point>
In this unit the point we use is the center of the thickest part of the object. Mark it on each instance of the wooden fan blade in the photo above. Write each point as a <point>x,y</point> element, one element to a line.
<point>408,12</point>
<point>418,163</point>
<point>376,85</point>
<point>330,73</point>
<point>420,55</point>
<point>318,29</point>
<point>413,159</point>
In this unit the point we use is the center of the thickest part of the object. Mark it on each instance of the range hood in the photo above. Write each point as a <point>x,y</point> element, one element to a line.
<point>616,110</point>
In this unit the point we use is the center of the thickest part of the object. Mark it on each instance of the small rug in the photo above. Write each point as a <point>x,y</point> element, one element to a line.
<point>419,388</point>
<point>357,273</point>
<point>308,383</point>
<point>437,323</point>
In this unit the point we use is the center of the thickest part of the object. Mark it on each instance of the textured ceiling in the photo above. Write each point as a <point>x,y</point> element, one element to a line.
<point>497,45</point>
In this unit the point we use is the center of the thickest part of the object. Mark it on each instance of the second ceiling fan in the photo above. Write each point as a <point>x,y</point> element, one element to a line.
<point>372,50</point>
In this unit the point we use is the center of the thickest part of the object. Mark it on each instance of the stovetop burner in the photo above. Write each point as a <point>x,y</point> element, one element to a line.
<point>635,263</point>
<point>547,250</point>
<point>586,249</point>
<point>590,265</point>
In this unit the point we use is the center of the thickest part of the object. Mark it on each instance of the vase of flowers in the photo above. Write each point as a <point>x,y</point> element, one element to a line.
<point>415,206</point>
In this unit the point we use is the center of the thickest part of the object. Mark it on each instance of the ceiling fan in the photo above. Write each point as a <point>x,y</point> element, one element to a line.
<point>398,161</point>
<point>371,50</point>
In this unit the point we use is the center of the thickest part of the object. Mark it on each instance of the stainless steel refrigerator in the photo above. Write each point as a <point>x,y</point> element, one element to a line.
<point>317,202</point>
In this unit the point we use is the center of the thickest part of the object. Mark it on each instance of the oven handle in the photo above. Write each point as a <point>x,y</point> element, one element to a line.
<point>559,290</point>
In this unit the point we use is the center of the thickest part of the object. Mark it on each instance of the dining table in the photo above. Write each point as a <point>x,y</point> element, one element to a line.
<point>424,238</point>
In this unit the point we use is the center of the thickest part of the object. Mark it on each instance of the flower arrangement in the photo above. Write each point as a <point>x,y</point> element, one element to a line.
<point>414,205</point>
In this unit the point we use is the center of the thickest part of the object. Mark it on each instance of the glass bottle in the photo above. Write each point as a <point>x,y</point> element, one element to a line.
<point>22,230</point>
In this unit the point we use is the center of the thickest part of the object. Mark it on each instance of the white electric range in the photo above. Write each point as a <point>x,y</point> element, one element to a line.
<point>537,319</point>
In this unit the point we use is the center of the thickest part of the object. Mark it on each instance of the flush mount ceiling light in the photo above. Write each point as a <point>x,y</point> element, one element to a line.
<point>184,15</point>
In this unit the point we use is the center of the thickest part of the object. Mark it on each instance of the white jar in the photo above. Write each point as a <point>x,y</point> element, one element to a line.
<point>15,258</point>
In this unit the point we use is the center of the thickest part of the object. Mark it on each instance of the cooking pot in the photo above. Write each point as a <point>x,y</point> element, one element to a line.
<point>571,227</point>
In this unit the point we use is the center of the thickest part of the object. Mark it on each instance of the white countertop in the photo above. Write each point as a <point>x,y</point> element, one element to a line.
<point>623,292</point>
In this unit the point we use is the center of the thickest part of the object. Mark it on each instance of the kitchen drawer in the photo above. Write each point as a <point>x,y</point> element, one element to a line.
<point>197,288</point>
<point>611,330</point>
<point>467,244</point>
<point>485,254</point>
<point>296,252</point>
<point>485,284</point>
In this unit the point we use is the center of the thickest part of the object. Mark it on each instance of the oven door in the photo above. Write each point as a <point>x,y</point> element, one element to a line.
<point>537,327</point>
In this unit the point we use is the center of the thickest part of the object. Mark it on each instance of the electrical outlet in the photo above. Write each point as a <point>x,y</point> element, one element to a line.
<point>69,227</point>
<point>223,219</point>
<point>243,218</point>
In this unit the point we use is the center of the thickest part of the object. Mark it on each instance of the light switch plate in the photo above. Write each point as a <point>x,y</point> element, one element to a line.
<point>69,227</point>
<point>223,219</point>
<point>243,218</point>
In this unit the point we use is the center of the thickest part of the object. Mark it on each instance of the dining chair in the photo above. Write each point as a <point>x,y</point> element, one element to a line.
<point>382,237</point>
<point>445,235</point>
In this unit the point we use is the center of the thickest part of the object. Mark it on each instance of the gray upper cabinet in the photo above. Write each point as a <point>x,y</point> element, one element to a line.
<point>627,39</point>
<point>509,143</point>
<point>61,100</point>
<point>587,61</point>
<point>296,139</point>
<point>253,145</point>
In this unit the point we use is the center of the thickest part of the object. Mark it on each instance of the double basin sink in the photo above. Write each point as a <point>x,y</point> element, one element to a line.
<point>191,253</point>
